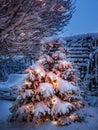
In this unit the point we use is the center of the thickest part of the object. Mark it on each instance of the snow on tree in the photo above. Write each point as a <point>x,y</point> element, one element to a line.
<point>50,91</point>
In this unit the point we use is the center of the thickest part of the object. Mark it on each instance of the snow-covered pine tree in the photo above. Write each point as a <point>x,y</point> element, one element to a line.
<point>49,92</point>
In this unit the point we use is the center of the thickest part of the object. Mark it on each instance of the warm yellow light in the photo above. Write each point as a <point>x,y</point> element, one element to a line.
<point>75,103</point>
<point>55,83</point>
<point>54,101</point>
<point>73,117</point>
<point>47,119</point>
<point>39,122</point>
<point>30,71</point>
<point>70,117</point>
<point>54,122</point>
<point>37,71</point>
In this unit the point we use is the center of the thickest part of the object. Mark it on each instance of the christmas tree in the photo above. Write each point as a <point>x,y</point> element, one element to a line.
<point>50,91</point>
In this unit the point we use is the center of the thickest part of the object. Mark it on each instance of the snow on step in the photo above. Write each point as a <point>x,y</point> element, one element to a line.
<point>78,49</point>
<point>78,56</point>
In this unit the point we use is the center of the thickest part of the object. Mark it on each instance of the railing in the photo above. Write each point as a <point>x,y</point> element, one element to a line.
<point>84,54</point>
<point>14,66</point>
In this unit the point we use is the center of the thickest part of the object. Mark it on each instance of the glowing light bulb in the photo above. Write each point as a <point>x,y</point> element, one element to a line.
<point>56,81</point>
<point>74,117</point>
<point>70,117</point>
<point>30,71</point>
<point>37,71</point>
<point>54,122</point>
<point>47,119</point>
<point>54,101</point>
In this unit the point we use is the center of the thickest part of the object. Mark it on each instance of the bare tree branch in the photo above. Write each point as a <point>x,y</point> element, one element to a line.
<point>27,21</point>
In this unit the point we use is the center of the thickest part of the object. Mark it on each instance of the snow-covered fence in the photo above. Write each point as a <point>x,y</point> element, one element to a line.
<point>14,65</point>
<point>93,69</point>
<point>3,72</point>
<point>17,66</point>
<point>83,52</point>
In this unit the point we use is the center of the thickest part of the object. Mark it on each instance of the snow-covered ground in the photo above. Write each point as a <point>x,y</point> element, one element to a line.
<point>90,113</point>
<point>5,87</point>
<point>4,109</point>
<point>13,79</point>
<point>90,122</point>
